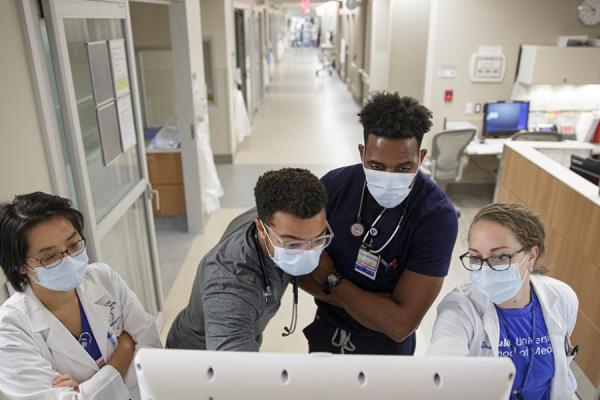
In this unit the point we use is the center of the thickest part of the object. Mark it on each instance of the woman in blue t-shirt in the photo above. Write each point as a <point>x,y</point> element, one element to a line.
<point>505,311</point>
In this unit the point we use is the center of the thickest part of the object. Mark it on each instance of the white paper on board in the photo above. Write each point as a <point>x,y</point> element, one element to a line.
<point>118,62</point>
<point>126,122</point>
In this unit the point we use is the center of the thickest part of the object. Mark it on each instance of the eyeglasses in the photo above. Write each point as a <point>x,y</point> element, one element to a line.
<point>497,262</point>
<point>55,259</point>
<point>318,242</point>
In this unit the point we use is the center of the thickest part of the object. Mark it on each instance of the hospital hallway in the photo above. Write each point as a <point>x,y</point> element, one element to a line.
<point>145,125</point>
<point>309,122</point>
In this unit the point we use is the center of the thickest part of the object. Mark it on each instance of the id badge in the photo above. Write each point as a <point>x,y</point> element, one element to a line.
<point>367,263</point>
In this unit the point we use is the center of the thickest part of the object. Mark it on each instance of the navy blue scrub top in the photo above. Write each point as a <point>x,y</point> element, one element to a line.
<point>87,339</point>
<point>423,244</point>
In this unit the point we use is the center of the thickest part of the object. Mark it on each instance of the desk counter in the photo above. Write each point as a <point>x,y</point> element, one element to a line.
<point>496,146</point>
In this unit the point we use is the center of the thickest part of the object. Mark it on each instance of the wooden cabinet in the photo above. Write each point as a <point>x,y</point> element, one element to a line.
<point>559,65</point>
<point>166,177</point>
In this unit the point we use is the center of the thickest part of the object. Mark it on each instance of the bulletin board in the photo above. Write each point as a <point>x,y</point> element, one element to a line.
<point>109,73</point>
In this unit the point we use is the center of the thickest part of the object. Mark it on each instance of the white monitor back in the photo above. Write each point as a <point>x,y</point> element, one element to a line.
<point>189,374</point>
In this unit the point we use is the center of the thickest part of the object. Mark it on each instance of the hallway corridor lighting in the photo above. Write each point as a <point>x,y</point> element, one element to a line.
<point>305,4</point>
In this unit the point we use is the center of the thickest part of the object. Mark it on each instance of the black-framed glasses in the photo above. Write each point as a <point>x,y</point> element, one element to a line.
<point>497,262</point>
<point>55,259</point>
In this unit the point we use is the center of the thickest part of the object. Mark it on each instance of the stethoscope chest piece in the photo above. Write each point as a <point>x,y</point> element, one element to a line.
<point>357,229</point>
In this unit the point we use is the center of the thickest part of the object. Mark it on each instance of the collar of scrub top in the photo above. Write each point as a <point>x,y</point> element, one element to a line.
<point>360,207</point>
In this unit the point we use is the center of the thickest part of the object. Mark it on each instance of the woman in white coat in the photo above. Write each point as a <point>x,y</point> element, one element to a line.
<point>71,329</point>
<point>505,311</point>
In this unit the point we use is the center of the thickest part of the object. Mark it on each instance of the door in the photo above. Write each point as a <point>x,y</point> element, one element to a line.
<point>261,56</point>
<point>256,69</point>
<point>93,63</point>
<point>360,32</point>
<point>240,51</point>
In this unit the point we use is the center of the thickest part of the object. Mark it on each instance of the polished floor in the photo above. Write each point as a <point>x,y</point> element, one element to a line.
<point>307,122</point>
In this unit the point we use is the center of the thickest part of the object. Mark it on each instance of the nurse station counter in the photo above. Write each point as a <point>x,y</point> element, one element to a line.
<point>537,175</point>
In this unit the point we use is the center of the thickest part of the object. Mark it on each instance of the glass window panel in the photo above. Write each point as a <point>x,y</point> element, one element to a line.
<point>109,183</point>
<point>125,248</point>
<point>58,112</point>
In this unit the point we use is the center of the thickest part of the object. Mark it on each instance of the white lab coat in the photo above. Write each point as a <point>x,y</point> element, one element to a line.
<point>467,325</point>
<point>35,347</point>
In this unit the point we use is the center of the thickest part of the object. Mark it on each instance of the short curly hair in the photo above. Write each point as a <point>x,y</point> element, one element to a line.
<point>392,116</point>
<point>17,218</point>
<point>522,222</point>
<point>293,191</point>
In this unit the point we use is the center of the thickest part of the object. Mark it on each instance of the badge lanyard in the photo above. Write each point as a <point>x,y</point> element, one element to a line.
<point>518,392</point>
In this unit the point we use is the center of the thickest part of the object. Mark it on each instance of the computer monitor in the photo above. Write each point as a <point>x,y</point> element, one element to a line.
<point>503,118</point>
<point>195,374</point>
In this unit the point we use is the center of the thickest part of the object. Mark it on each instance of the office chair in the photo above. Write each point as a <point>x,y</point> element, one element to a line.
<point>538,136</point>
<point>447,157</point>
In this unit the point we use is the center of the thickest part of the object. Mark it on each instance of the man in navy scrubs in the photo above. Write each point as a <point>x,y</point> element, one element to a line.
<point>394,235</point>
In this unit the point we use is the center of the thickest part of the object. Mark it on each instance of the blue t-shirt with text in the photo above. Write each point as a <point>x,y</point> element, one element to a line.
<point>517,343</point>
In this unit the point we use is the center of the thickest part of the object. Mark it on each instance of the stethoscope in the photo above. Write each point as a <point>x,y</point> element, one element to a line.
<point>268,292</point>
<point>357,228</point>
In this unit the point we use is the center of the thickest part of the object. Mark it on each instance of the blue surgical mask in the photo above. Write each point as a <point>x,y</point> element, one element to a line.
<point>65,276</point>
<point>296,262</point>
<point>389,189</point>
<point>499,286</point>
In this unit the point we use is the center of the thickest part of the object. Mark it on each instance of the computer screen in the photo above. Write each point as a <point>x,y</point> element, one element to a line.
<point>195,374</point>
<point>505,118</point>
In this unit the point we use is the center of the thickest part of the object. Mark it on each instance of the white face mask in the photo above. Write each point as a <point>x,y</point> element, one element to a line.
<point>389,189</point>
<point>499,286</point>
<point>65,276</point>
<point>297,262</point>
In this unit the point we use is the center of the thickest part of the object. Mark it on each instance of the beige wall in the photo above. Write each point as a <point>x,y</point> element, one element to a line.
<point>150,27</point>
<point>150,24</point>
<point>408,50</point>
<point>459,26</point>
<point>217,24</point>
<point>379,44</point>
<point>23,166</point>
<point>246,3</point>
